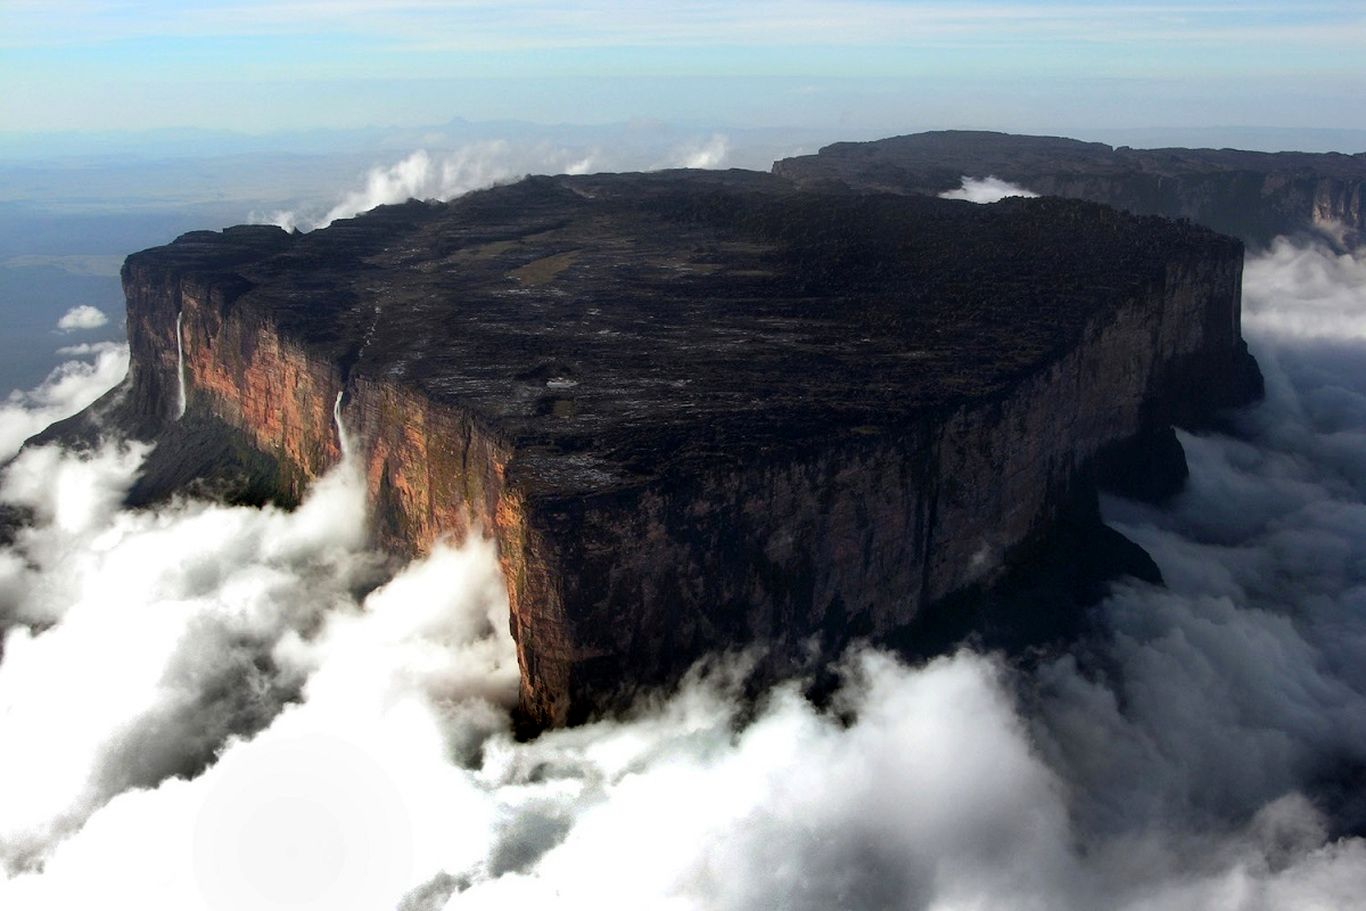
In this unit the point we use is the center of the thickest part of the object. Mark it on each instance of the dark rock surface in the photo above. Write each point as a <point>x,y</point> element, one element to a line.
<point>1252,195</point>
<point>696,410</point>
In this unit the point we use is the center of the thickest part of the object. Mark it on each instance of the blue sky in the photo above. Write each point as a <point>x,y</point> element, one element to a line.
<point>258,66</point>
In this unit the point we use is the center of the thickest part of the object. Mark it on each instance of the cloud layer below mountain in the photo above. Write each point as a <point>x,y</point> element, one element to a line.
<point>70,387</point>
<point>205,707</point>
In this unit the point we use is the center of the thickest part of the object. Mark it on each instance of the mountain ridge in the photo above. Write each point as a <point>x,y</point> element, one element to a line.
<point>1255,196</point>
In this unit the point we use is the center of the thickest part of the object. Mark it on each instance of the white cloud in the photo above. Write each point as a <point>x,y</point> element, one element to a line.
<point>986,190</point>
<point>82,317</point>
<point>1306,292</point>
<point>412,178</point>
<point>69,388</point>
<point>479,165</point>
<point>85,349</point>
<point>708,154</point>
<point>265,732</point>
<point>191,628</point>
<point>157,610</point>
<point>423,175</point>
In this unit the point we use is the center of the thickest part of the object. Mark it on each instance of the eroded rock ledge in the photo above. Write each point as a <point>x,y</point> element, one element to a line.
<point>696,410</point>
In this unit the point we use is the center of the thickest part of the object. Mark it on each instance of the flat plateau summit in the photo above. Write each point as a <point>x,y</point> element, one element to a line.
<point>697,411</point>
<point>1254,196</point>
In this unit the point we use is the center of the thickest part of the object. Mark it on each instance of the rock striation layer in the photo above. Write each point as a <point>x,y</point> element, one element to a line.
<point>1252,195</point>
<point>696,410</point>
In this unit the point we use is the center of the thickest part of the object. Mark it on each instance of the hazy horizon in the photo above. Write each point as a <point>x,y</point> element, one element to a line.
<point>252,65</point>
<point>19,147</point>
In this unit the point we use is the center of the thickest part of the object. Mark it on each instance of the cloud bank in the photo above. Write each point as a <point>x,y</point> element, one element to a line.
<point>986,190</point>
<point>68,388</point>
<point>208,707</point>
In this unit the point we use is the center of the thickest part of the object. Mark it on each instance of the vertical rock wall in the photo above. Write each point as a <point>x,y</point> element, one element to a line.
<point>854,540</point>
<point>801,550</point>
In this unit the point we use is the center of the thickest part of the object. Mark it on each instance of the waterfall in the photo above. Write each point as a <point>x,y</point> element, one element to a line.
<point>342,439</point>
<point>180,364</point>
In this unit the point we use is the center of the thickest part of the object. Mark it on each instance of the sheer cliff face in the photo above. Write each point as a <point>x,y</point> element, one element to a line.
<point>855,539</point>
<point>698,412</point>
<point>1254,206</point>
<point>1252,195</point>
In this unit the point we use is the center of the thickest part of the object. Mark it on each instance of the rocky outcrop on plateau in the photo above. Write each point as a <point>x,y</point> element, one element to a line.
<point>1252,195</point>
<point>696,410</point>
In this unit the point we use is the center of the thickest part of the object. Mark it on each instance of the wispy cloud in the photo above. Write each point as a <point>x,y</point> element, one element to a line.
<point>710,153</point>
<point>484,26</point>
<point>986,190</point>
<point>477,165</point>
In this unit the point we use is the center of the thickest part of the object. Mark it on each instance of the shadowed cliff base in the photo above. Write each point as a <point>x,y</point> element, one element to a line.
<point>1040,607</point>
<point>199,456</point>
<point>697,411</point>
<point>1041,603</point>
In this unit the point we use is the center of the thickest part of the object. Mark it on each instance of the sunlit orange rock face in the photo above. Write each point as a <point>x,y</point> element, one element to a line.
<point>244,373</point>
<point>431,472</point>
<point>697,413</point>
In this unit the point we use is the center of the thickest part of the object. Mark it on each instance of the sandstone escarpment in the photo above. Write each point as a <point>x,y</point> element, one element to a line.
<point>697,411</point>
<point>1252,195</point>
